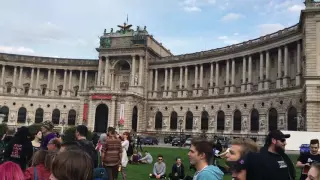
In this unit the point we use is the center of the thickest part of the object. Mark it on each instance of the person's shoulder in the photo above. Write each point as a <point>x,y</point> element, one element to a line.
<point>211,171</point>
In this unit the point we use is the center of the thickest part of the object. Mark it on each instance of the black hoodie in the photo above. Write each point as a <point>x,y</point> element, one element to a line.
<point>276,166</point>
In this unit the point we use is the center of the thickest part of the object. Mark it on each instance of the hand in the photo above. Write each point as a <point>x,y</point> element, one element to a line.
<point>307,164</point>
<point>158,176</point>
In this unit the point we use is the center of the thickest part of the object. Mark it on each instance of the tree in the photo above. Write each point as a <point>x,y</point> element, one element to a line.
<point>3,129</point>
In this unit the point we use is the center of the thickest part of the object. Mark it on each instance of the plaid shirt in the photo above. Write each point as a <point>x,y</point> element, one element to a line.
<point>112,150</point>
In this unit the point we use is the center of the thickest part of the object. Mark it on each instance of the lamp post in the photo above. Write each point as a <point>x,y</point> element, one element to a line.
<point>180,123</point>
<point>63,122</point>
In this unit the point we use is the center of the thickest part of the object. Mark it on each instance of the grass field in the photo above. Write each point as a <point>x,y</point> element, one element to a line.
<point>140,172</point>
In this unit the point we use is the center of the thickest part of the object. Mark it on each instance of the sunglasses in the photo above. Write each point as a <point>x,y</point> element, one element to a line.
<point>160,159</point>
<point>282,140</point>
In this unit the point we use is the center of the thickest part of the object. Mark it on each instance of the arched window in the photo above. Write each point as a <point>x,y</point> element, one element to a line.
<point>22,115</point>
<point>189,120</point>
<point>292,119</point>
<point>237,120</point>
<point>204,120</point>
<point>5,110</point>
<point>158,119</point>
<point>174,120</point>
<point>273,119</point>
<point>56,116</point>
<point>220,121</point>
<point>254,120</point>
<point>39,115</point>
<point>72,117</point>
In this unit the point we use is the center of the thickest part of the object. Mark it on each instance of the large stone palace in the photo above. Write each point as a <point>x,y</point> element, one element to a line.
<point>272,82</point>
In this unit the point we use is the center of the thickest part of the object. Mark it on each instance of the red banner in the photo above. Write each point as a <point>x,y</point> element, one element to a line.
<point>101,96</point>
<point>85,112</point>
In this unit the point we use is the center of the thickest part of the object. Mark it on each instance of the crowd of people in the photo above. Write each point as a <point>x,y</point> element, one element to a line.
<point>44,155</point>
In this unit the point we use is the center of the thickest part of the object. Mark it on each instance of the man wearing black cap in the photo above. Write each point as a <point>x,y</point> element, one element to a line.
<point>275,163</point>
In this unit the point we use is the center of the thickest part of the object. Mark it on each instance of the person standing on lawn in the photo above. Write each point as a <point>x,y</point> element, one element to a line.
<point>305,160</point>
<point>200,154</point>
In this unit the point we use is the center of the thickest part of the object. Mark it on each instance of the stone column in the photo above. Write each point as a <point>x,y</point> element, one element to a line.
<point>233,86</point>
<point>80,81</point>
<point>216,88</point>
<point>279,68</point>
<point>54,88</point>
<point>2,78</point>
<point>226,88</point>
<point>211,80</point>
<point>165,82</point>
<point>150,87</point>
<point>106,72</point>
<point>298,76</point>
<point>48,83</point>
<point>112,81</point>
<point>20,80</point>
<point>260,87</point>
<point>85,80</point>
<point>141,66</point>
<point>99,72</point>
<point>170,83</point>
<point>244,71</point>
<point>249,86</point>
<point>155,83</point>
<point>36,91</point>
<point>133,69</point>
<point>14,78</point>
<point>65,81</point>
<point>286,80</point>
<point>31,82</point>
<point>185,92</point>
<point>195,89</point>
<point>267,81</point>
<point>200,91</point>
<point>69,85</point>
<point>180,92</point>
<point>113,120</point>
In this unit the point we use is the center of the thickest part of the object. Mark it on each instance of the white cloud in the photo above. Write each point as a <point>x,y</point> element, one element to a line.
<point>192,9</point>
<point>269,28</point>
<point>235,34</point>
<point>231,17</point>
<point>296,8</point>
<point>223,37</point>
<point>16,50</point>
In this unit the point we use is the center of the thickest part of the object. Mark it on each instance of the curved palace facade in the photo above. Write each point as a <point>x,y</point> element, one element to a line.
<point>272,82</point>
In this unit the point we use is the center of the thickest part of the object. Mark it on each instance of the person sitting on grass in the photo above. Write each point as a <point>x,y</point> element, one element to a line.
<point>159,169</point>
<point>134,159</point>
<point>177,171</point>
<point>147,159</point>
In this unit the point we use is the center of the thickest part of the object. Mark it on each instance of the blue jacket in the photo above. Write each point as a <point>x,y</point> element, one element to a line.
<point>210,172</point>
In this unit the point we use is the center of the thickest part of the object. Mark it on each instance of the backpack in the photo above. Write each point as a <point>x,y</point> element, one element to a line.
<point>100,172</point>
<point>89,148</point>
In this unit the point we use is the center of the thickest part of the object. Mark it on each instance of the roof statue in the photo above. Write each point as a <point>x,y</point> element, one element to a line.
<point>111,31</point>
<point>125,28</point>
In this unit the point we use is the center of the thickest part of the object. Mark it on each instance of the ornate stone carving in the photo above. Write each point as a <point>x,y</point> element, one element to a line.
<point>281,122</point>
<point>244,124</point>
<point>195,121</point>
<point>212,122</point>
<point>47,115</point>
<point>227,123</point>
<point>13,115</point>
<point>150,122</point>
<point>165,122</point>
<point>262,123</point>
<point>30,114</point>
<point>105,42</point>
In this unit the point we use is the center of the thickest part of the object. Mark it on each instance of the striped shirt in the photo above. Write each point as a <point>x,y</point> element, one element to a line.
<point>112,150</point>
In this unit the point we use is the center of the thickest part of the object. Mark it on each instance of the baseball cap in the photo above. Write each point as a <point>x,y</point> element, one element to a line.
<point>278,135</point>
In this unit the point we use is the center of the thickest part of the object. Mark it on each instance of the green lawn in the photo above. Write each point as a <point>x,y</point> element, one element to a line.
<point>140,172</point>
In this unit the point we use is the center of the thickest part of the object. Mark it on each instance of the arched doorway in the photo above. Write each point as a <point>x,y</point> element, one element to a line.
<point>5,110</point>
<point>72,117</point>
<point>56,116</point>
<point>254,120</point>
<point>204,120</point>
<point>273,119</point>
<point>22,115</point>
<point>39,115</point>
<point>292,119</point>
<point>134,120</point>
<point>220,121</point>
<point>158,120</point>
<point>174,120</point>
<point>189,120</point>
<point>237,120</point>
<point>101,118</point>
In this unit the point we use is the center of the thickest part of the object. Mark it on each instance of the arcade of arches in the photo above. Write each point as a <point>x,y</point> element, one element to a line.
<point>238,124</point>
<point>23,115</point>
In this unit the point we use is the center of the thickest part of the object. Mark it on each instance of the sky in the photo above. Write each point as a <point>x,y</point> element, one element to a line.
<point>70,28</point>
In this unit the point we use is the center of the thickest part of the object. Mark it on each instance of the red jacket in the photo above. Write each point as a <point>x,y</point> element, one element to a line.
<point>42,172</point>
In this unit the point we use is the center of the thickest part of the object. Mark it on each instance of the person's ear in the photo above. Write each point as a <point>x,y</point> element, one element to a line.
<point>273,141</point>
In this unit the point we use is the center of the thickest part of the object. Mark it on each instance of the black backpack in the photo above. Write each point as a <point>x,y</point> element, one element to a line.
<point>89,148</point>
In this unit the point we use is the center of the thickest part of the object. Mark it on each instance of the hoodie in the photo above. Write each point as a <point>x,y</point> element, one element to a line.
<point>209,172</point>
<point>41,171</point>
